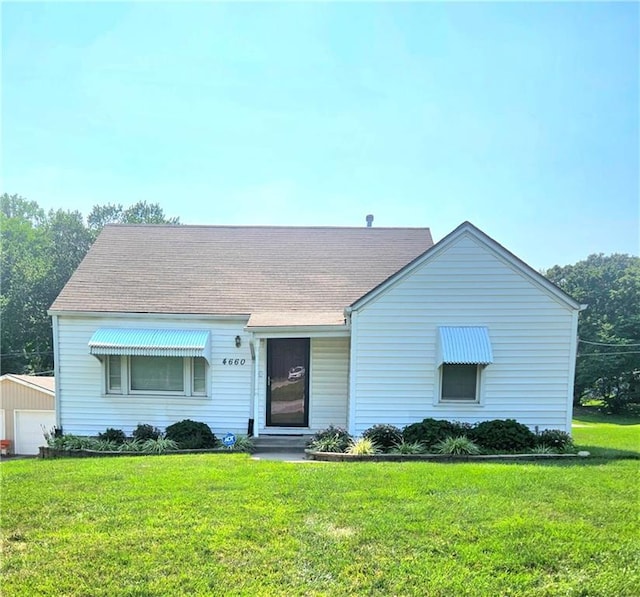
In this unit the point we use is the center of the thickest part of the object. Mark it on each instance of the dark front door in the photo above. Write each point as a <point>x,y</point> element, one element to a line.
<point>288,382</point>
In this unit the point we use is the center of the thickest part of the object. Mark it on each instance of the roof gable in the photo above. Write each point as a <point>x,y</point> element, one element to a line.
<point>468,229</point>
<point>226,270</point>
<point>41,383</point>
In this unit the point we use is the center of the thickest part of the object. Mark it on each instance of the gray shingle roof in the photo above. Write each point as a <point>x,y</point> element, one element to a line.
<point>236,270</point>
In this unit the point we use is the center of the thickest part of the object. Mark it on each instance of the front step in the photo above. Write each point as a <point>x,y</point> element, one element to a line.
<point>281,443</point>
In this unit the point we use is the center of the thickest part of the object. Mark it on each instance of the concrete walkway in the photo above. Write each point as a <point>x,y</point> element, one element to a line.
<point>281,456</point>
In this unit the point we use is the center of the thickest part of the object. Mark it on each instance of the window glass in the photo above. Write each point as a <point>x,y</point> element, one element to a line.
<point>199,376</point>
<point>163,374</point>
<point>114,381</point>
<point>459,382</point>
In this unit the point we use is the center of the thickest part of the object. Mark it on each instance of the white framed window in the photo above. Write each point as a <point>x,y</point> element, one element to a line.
<point>459,383</point>
<point>156,375</point>
<point>114,374</point>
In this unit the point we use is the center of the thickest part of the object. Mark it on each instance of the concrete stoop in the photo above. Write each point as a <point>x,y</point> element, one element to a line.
<point>281,443</point>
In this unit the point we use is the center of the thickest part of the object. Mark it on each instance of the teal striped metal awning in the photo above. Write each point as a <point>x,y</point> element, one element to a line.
<point>466,345</point>
<point>150,342</point>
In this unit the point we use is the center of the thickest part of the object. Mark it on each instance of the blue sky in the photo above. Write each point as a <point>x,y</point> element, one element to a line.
<point>519,117</point>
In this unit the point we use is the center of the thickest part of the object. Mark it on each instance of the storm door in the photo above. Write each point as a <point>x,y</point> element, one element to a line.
<point>288,382</point>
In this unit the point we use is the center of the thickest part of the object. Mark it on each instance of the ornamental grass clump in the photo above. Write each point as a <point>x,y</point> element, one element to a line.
<point>363,446</point>
<point>457,446</point>
<point>159,446</point>
<point>404,447</point>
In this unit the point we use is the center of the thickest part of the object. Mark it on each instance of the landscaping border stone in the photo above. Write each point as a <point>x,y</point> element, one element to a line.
<point>342,457</point>
<point>46,452</point>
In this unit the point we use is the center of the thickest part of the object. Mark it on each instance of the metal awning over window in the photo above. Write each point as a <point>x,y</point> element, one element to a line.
<point>152,343</point>
<point>464,346</point>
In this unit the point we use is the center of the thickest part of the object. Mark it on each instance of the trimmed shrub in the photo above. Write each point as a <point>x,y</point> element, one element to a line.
<point>363,446</point>
<point>143,432</point>
<point>116,436</point>
<point>554,438</point>
<point>336,438</point>
<point>431,431</point>
<point>457,446</point>
<point>503,435</point>
<point>191,435</point>
<point>384,436</point>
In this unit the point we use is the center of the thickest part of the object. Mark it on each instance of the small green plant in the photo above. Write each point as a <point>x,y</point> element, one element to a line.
<point>560,440</point>
<point>337,438</point>
<point>143,432</point>
<point>363,446</point>
<point>543,449</point>
<point>113,435</point>
<point>159,446</point>
<point>408,448</point>
<point>191,435</point>
<point>384,436</point>
<point>131,445</point>
<point>243,444</point>
<point>330,443</point>
<point>457,446</point>
<point>105,445</point>
<point>72,442</point>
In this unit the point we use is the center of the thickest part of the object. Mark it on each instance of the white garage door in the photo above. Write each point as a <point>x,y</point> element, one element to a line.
<point>29,425</point>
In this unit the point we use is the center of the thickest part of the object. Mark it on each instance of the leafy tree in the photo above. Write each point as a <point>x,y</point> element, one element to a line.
<point>39,254</point>
<point>138,213</point>
<point>608,364</point>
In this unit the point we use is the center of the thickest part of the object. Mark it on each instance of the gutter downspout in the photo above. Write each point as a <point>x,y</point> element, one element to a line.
<point>352,319</point>
<point>256,387</point>
<point>56,372</point>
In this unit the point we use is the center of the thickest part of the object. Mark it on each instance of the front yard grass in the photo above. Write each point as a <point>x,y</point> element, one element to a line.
<point>210,524</point>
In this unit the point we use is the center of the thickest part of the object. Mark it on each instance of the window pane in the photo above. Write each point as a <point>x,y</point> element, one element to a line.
<point>199,376</point>
<point>459,382</point>
<point>114,379</point>
<point>164,374</point>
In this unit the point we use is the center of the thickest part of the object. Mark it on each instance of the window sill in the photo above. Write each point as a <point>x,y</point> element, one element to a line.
<point>136,396</point>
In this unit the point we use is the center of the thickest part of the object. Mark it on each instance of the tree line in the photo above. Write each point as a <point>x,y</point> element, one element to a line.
<point>41,250</point>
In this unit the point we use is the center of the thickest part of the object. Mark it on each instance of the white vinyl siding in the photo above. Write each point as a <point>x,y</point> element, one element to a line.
<point>396,376</point>
<point>85,408</point>
<point>329,382</point>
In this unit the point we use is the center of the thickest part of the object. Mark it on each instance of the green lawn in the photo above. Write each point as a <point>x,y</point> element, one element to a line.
<point>211,524</point>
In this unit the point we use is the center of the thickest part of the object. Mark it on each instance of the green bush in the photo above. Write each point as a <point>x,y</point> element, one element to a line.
<point>431,431</point>
<point>457,446</point>
<point>116,436</point>
<point>336,438</point>
<point>503,435</point>
<point>191,435</point>
<point>554,438</point>
<point>105,445</point>
<point>143,432</point>
<point>384,436</point>
<point>159,446</point>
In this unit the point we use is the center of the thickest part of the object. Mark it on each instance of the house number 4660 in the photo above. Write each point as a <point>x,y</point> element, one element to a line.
<point>233,361</point>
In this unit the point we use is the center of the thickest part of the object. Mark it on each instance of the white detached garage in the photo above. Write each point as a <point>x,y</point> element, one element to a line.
<point>27,405</point>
